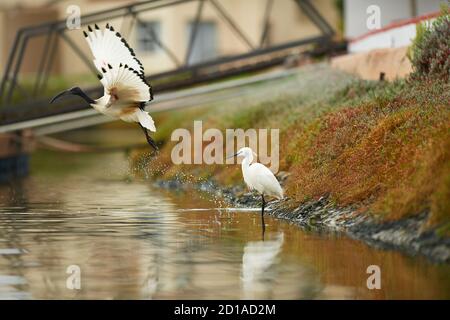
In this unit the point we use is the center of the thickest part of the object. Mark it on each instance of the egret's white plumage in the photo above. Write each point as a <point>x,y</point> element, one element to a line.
<point>126,90</point>
<point>258,177</point>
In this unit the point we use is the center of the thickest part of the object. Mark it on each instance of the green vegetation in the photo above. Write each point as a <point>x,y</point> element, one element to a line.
<point>388,155</point>
<point>382,148</point>
<point>430,51</point>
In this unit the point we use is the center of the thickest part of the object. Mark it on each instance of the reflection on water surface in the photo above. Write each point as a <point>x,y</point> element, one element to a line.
<point>132,240</point>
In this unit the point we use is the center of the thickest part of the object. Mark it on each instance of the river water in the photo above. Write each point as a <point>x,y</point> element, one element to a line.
<point>86,219</point>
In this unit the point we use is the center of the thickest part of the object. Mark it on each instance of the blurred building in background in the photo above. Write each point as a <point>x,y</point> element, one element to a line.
<point>171,24</point>
<point>397,22</point>
<point>355,13</point>
<point>379,33</point>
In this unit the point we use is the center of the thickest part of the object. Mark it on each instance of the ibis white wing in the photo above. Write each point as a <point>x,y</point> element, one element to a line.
<point>125,85</point>
<point>109,47</point>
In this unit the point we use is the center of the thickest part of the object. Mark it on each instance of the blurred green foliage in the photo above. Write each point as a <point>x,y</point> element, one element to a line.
<point>430,51</point>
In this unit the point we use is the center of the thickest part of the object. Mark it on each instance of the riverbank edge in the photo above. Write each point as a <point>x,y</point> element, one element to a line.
<point>407,235</point>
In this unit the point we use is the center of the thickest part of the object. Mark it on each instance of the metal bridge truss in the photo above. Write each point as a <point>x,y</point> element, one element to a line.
<point>34,106</point>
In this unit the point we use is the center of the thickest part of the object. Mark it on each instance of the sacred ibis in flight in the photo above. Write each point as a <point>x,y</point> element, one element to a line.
<point>126,92</point>
<point>258,177</point>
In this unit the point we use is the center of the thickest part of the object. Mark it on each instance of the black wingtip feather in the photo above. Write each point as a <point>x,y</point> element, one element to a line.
<point>107,25</point>
<point>89,28</point>
<point>96,27</point>
<point>109,66</point>
<point>85,34</point>
<point>103,70</point>
<point>100,77</point>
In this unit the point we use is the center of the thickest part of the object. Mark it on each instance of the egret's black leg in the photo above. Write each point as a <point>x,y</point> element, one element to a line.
<point>262,216</point>
<point>150,141</point>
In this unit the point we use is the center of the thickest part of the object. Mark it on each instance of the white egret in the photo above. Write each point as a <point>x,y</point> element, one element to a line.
<point>258,177</point>
<point>126,92</point>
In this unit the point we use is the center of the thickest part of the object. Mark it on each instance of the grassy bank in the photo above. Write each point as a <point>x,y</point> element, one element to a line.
<point>388,154</point>
<point>383,148</point>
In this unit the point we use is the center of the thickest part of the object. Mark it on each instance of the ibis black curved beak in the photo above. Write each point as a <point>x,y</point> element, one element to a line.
<point>60,95</point>
<point>75,91</point>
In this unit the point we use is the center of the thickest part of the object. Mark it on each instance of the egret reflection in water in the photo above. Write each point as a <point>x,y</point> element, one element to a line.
<point>258,263</point>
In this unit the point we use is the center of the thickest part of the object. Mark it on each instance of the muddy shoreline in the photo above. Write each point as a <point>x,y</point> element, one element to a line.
<point>404,235</point>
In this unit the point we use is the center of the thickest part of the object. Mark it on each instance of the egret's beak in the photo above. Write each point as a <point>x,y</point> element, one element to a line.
<point>234,155</point>
<point>60,95</point>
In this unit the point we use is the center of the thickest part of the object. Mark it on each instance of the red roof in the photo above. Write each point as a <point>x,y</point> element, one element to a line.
<point>398,24</point>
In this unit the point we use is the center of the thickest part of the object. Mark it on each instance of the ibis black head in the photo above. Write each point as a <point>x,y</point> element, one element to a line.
<point>76,91</point>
